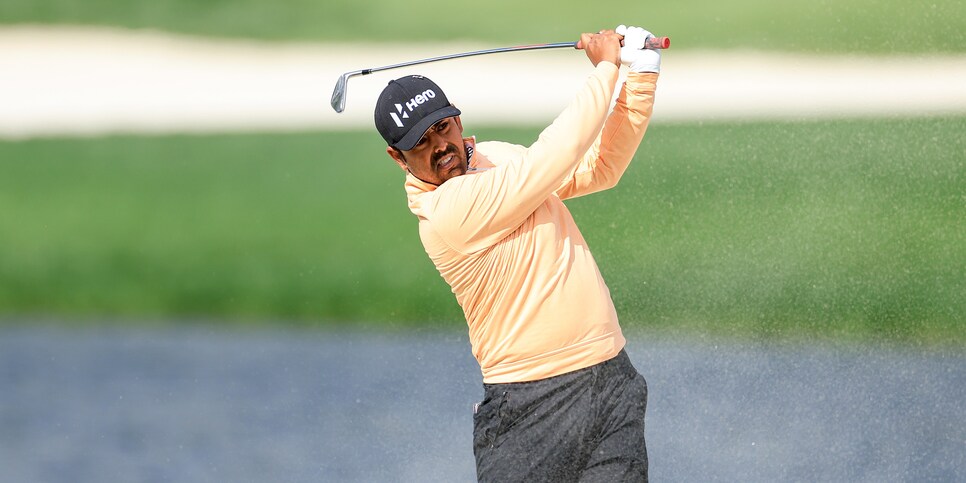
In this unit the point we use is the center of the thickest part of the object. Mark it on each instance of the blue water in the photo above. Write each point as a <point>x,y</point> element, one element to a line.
<point>197,404</point>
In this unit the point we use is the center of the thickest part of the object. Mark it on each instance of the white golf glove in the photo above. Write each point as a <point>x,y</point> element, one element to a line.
<point>633,53</point>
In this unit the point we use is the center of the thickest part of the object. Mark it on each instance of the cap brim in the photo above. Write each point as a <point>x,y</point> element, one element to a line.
<point>412,137</point>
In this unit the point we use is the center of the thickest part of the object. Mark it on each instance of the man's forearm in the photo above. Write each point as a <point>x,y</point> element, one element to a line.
<point>605,162</point>
<point>625,127</point>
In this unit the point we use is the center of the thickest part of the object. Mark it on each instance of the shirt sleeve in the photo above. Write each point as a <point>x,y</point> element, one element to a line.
<point>473,212</point>
<point>602,166</point>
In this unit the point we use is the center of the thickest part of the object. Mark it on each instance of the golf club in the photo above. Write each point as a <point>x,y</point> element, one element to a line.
<point>339,93</point>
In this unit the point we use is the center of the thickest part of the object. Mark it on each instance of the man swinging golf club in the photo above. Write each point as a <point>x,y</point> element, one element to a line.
<point>561,401</point>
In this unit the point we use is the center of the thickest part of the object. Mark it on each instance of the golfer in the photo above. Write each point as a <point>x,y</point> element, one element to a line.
<point>561,401</point>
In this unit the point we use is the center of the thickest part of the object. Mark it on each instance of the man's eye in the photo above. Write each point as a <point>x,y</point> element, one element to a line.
<point>442,126</point>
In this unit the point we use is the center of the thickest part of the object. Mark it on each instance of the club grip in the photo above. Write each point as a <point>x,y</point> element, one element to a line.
<point>654,43</point>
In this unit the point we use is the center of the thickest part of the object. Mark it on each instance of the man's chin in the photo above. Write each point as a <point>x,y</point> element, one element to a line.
<point>458,170</point>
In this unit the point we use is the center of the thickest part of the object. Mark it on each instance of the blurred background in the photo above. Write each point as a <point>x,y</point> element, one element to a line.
<point>208,275</point>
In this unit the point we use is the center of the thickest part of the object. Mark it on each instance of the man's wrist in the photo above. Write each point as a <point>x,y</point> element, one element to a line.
<point>642,82</point>
<point>643,76</point>
<point>609,64</point>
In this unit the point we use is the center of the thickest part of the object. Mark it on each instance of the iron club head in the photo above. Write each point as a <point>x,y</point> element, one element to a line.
<point>338,94</point>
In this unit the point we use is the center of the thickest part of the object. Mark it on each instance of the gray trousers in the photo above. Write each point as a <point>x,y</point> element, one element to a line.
<point>587,425</point>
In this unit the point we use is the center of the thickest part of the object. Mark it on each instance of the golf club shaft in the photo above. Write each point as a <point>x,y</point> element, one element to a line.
<point>652,43</point>
<point>556,45</point>
<point>339,93</point>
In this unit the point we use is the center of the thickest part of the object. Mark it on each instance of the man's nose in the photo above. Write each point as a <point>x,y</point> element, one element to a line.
<point>437,142</point>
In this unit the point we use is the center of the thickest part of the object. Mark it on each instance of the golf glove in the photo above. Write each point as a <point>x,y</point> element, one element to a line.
<point>633,53</point>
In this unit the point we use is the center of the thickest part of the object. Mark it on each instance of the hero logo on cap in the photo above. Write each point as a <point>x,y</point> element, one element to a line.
<point>411,104</point>
<point>407,107</point>
<point>395,117</point>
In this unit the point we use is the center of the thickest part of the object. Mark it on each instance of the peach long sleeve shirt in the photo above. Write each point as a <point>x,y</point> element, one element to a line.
<point>502,238</point>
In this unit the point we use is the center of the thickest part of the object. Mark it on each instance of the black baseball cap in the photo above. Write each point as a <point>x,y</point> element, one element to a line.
<point>409,106</point>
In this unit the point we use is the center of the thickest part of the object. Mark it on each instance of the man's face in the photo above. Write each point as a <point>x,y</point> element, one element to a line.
<point>438,156</point>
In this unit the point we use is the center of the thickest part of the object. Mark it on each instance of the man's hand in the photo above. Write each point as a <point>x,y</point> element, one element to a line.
<point>602,46</point>
<point>633,53</point>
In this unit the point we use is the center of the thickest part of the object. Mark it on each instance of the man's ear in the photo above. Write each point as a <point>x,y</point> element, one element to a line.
<point>397,156</point>
<point>459,124</point>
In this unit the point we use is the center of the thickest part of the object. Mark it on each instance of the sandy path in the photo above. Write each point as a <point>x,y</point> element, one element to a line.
<point>58,81</point>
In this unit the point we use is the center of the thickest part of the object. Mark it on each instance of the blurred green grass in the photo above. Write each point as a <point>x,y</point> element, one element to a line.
<point>851,26</point>
<point>845,229</point>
